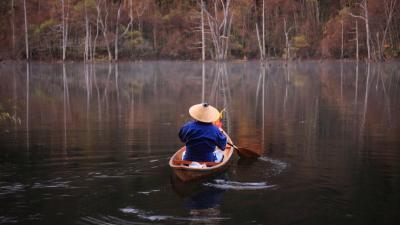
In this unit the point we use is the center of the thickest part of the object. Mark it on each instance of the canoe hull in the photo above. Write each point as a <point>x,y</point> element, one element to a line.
<point>186,173</point>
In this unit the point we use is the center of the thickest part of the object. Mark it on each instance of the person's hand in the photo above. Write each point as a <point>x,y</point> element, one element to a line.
<point>218,123</point>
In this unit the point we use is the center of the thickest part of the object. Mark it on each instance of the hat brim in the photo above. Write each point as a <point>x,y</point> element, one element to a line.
<point>204,114</point>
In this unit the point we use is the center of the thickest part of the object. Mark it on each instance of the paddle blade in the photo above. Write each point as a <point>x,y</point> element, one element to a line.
<point>247,153</point>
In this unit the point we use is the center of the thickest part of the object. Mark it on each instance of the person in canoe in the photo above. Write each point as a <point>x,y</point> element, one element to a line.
<point>205,142</point>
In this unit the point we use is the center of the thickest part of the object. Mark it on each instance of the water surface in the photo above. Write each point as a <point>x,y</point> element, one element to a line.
<point>89,144</point>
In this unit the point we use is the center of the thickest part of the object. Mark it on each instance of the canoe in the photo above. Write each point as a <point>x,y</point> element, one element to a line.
<point>185,173</point>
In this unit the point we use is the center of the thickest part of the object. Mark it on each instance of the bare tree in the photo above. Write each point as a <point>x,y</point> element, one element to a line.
<point>65,15</point>
<point>342,44</point>
<point>220,28</point>
<point>364,6</point>
<point>140,9</point>
<point>261,41</point>
<point>26,33</point>
<point>130,24</point>
<point>287,31</point>
<point>103,26</point>
<point>203,39</point>
<point>117,32</point>
<point>13,27</point>
<point>390,6</point>
<point>357,43</point>
<point>263,28</point>
<point>87,36</point>
<point>98,9</point>
<point>127,29</point>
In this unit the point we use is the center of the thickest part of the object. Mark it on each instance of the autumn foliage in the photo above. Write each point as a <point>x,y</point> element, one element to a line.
<point>169,29</point>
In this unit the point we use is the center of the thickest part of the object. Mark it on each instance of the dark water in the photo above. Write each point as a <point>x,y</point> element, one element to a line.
<point>90,144</point>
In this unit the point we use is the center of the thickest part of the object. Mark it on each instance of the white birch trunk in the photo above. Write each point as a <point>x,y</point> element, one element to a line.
<point>105,33</point>
<point>259,41</point>
<point>367,28</point>
<point>13,27</point>
<point>26,33</point>
<point>203,42</point>
<point>63,29</point>
<point>286,39</point>
<point>220,30</point>
<point>389,9</point>
<point>117,33</point>
<point>98,9</point>
<point>341,52</point>
<point>263,31</point>
<point>357,45</point>
<point>364,6</point>
<point>86,53</point>
<point>287,32</point>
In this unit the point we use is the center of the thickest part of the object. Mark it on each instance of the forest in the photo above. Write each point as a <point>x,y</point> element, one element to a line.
<point>96,30</point>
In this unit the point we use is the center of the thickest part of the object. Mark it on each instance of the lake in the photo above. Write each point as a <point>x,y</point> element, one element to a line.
<point>90,143</point>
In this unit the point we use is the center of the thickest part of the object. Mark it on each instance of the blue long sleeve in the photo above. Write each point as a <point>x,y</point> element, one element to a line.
<point>221,140</point>
<point>200,140</point>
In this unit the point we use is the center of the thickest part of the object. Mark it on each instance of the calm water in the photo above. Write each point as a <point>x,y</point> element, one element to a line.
<point>90,144</point>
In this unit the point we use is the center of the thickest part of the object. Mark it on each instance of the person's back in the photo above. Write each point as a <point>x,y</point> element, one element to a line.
<point>201,137</point>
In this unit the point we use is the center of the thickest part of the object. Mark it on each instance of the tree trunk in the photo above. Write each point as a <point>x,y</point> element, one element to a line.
<point>357,45</point>
<point>98,9</point>
<point>364,6</point>
<point>86,54</point>
<point>341,52</point>
<point>105,33</point>
<point>203,40</point>
<point>63,29</point>
<point>117,33</point>
<point>286,31</point>
<point>367,28</point>
<point>26,33</point>
<point>155,36</point>
<point>220,30</point>
<point>13,27</point>
<point>263,30</point>
<point>389,9</point>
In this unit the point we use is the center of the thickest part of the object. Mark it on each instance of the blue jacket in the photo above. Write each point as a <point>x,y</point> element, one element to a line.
<point>200,139</point>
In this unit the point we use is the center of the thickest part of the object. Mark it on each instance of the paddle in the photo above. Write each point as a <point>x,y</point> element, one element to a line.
<point>245,152</point>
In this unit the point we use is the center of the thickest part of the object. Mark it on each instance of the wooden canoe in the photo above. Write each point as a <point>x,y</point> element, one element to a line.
<point>186,173</point>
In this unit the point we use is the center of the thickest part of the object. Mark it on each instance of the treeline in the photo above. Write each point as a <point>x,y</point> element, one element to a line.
<point>199,29</point>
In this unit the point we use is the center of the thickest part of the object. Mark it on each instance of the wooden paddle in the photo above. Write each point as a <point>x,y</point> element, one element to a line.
<point>245,152</point>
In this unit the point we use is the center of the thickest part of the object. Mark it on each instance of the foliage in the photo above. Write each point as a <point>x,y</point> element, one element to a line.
<point>5,117</point>
<point>44,26</point>
<point>170,28</point>
<point>300,41</point>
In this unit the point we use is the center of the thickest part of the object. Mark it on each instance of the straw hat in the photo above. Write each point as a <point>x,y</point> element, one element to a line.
<point>204,113</point>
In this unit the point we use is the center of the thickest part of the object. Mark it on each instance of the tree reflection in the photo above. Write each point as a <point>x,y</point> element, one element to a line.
<point>203,203</point>
<point>220,95</point>
<point>28,68</point>
<point>66,108</point>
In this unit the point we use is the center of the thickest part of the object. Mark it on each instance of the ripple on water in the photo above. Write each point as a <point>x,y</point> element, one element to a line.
<point>148,192</point>
<point>235,185</point>
<point>11,188</point>
<point>278,166</point>
<point>8,220</point>
<point>152,217</point>
<point>53,183</point>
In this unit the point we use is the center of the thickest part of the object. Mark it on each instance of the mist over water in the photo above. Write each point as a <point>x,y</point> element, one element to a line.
<point>90,143</point>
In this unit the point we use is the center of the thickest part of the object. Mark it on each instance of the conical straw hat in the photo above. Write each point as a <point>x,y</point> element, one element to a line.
<point>204,113</point>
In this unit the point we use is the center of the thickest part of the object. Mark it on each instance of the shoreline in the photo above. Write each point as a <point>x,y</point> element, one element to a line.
<point>198,61</point>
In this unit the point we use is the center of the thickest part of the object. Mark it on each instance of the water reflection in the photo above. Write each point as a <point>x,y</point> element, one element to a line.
<point>328,132</point>
<point>28,69</point>
<point>202,202</point>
